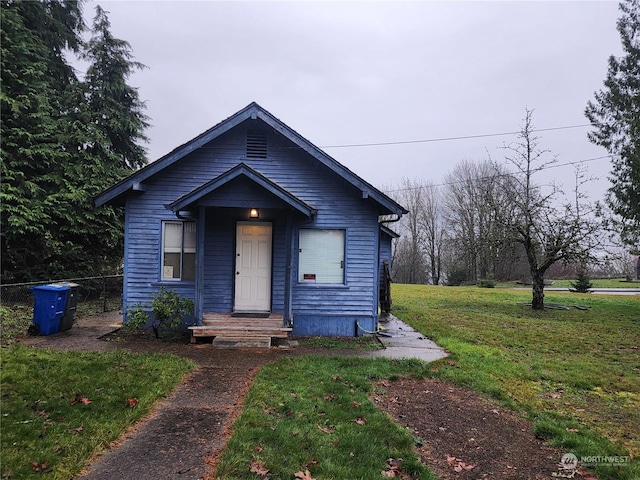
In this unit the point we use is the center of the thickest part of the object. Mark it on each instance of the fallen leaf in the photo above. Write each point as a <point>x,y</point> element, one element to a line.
<point>258,449</point>
<point>79,399</point>
<point>304,476</point>
<point>360,421</point>
<point>393,468</point>
<point>292,395</point>
<point>329,398</point>
<point>394,463</point>
<point>311,463</point>
<point>556,395</point>
<point>326,429</point>
<point>458,465</point>
<point>39,467</point>
<point>75,430</point>
<point>258,468</point>
<point>132,402</point>
<point>585,475</point>
<point>356,404</point>
<point>573,430</point>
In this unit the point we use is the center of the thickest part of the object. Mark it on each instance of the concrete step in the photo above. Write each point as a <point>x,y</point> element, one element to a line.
<point>227,341</point>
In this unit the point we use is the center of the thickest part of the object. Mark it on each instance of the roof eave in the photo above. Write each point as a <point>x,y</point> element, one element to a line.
<point>242,169</point>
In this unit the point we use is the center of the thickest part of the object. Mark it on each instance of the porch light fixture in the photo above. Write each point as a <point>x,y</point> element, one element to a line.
<point>254,213</point>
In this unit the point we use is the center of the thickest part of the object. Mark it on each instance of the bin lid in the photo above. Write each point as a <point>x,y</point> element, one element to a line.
<point>66,284</point>
<point>51,287</point>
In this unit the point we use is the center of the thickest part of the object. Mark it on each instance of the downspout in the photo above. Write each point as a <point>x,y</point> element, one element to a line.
<point>287,320</point>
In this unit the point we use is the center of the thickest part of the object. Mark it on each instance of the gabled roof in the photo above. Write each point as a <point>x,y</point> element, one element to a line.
<point>251,111</point>
<point>256,177</point>
<point>387,231</point>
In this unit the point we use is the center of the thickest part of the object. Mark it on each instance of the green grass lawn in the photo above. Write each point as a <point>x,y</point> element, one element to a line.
<point>575,373</point>
<point>60,408</point>
<point>314,413</point>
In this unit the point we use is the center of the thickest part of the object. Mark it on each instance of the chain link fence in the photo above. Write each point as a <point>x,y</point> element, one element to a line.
<point>95,295</point>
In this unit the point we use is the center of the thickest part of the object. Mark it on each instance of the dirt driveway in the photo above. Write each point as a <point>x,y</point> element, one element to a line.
<point>463,435</point>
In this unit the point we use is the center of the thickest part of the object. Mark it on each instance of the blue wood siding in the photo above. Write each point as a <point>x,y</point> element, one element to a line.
<point>333,325</point>
<point>339,205</point>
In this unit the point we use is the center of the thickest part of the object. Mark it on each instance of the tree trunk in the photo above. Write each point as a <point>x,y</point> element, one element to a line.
<point>537,303</point>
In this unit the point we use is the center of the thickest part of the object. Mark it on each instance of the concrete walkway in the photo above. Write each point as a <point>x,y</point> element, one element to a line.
<point>402,341</point>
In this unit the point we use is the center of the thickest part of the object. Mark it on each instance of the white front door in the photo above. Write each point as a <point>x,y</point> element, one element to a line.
<point>253,267</point>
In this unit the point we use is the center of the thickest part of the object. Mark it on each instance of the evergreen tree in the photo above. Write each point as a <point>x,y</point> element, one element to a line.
<point>615,116</point>
<point>34,78</point>
<point>582,283</point>
<point>63,142</point>
<point>117,109</point>
<point>106,124</point>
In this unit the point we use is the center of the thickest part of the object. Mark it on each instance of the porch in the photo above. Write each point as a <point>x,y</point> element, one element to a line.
<point>234,331</point>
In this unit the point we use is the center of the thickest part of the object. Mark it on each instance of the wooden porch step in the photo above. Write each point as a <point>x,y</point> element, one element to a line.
<point>249,322</point>
<point>239,330</point>
<point>229,318</point>
<point>254,341</point>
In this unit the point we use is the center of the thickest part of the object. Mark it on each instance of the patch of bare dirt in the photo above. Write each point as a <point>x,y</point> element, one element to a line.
<point>462,435</point>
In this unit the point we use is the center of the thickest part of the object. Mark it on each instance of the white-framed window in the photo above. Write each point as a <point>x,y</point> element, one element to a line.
<point>321,255</point>
<point>178,250</point>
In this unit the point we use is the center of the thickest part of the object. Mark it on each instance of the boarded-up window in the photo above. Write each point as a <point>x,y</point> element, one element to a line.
<point>178,250</point>
<point>321,256</point>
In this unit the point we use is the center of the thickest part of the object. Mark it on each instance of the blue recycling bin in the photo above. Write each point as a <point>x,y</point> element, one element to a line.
<point>49,307</point>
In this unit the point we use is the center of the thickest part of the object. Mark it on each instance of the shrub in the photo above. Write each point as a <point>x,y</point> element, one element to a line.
<point>487,283</point>
<point>456,277</point>
<point>168,310</point>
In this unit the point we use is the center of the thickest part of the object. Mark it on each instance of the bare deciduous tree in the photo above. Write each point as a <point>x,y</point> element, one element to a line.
<point>475,203</point>
<point>432,223</point>
<point>549,230</point>
<point>409,264</point>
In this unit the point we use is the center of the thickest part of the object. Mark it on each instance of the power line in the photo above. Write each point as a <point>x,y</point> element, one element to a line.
<point>446,139</point>
<point>506,174</point>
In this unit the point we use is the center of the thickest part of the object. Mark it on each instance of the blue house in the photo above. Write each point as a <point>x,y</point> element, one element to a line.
<point>250,219</point>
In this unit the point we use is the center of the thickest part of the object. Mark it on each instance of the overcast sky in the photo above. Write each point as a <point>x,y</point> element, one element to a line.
<point>344,73</point>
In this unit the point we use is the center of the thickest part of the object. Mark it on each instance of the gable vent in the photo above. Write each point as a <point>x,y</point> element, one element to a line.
<point>256,145</point>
